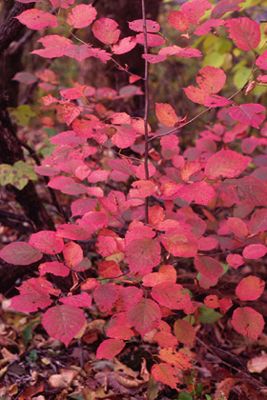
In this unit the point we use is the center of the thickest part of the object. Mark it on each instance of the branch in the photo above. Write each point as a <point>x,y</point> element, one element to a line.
<point>146,110</point>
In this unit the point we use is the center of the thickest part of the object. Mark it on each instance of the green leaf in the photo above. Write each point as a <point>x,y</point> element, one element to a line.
<point>241,77</point>
<point>185,396</point>
<point>208,315</point>
<point>6,175</point>
<point>23,114</point>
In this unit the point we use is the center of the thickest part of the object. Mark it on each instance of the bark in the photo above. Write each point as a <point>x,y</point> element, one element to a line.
<point>10,147</point>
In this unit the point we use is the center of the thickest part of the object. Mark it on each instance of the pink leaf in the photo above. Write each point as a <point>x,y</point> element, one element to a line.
<point>144,316</point>
<point>195,9</point>
<point>54,268</point>
<point>262,60</point>
<point>109,348</point>
<point>250,288</point>
<point>82,300</point>
<point>254,251</point>
<point>235,260</point>
<point>37,19</point>
<point>106,30</point>
<point>124,45</point>
<point>245,33</point>
<point>54,46</point>
<point>81,16</point>
<point>249,114</point>
<point>226,164</point>
<point>64,322</point>
<point>138,26</point>
<point>20,253</point>
<point>207,26</point>
<point>248,322</point>
<point>153,40</point>
<point>124,136</point>
<point>225,6</point>
<point>73,254</point>
<point>67,185</point>
<point>47,242</point>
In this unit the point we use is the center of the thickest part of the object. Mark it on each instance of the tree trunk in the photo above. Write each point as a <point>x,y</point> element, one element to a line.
<point>10,147</point>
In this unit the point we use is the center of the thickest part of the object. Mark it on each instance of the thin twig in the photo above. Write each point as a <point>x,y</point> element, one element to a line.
<point>177,128</point>
<point>146,110</point>
<point>236,369</point>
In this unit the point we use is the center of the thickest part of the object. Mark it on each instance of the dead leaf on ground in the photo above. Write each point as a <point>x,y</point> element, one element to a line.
<point>257,364</point>
<point>224,388</point>
<point>62,380</point>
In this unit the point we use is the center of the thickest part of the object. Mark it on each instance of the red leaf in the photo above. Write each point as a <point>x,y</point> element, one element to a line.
<point>20,253</point>
<point>82,300</point>
<point>47,242</point>
<point>195,9</point>
<point>142,255</point>
<point>55,268</point>
<point>171,295</point>
<point>37,19</point>
<point>226,164</point>
<point>34,294</point>
<point>250,288</point>
<point>64,322</point>
<point>106,30</point>
<point>119,328</point>
<point>180,241</point>
<point>167,273</point>
<point>166,114</point>
<point>81,16</point>
<point>178,20</point>
<point>210,81</point>
<point>245,33</point>
<point>138,26</point>
<point>106,296</point>
<point>73,254</point>
<point>184,332</point>
<point>254,251</point>
<point>109,348</point>
<point>248,322</point>
<point>166,374</point>
<point>210,269</point>
<point>144,316</point>
<point>250,114</point>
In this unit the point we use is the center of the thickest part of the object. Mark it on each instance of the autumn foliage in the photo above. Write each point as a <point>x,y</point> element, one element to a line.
<point>207,201</point>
